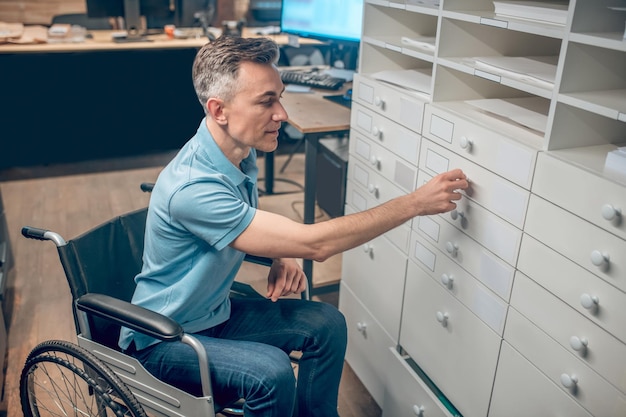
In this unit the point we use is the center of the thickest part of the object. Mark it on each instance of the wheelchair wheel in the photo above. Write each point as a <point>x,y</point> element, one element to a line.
<point>63,379</point>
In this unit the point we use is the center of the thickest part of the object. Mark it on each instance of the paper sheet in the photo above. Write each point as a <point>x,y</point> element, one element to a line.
<point>531,112</point>
<point>539,69</point>
<point>414,79</point>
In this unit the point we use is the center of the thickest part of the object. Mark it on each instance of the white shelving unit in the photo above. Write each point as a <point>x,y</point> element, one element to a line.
<point>515,303</point>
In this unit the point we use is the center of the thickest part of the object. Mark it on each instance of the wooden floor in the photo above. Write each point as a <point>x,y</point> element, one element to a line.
<point>72,204</point>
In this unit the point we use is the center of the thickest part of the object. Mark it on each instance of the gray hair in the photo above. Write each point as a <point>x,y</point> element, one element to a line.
<point>216,66</point>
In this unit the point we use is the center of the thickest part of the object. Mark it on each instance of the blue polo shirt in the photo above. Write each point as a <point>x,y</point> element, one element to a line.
<point>200,203</point>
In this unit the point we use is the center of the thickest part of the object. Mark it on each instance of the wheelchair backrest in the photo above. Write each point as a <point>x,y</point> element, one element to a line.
<point>106,260</point>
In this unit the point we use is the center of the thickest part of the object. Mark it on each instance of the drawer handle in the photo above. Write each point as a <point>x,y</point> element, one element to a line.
<point>379,102</point>
<point>447,280</point>
<point>373,190</point>
<point>375,161</point>
<point>590,302</point>
<point>466,143</point>
<point>579,344</point>
<point>361,327</point>
<point>452,248</point>
<point>455,214</point>
<point>377,132</point>
<point>569,381</point>
<point>610,213</point>
<point>600,258</point>
<point>418,410</point>
<point>367,248</point>
<point>442,318</point>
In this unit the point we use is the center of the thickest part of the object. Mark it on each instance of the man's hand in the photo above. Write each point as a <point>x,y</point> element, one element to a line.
<point>440,193</point>
<point>286,277</point>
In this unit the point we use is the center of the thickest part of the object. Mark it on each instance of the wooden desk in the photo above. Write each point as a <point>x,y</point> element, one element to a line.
<point>315,117</point>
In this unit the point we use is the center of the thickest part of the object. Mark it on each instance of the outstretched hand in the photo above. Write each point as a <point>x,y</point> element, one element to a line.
<point>285,277</point>
<point>440,193</point>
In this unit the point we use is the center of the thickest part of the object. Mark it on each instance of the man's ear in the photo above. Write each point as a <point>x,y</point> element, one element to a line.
<point>215,108</point>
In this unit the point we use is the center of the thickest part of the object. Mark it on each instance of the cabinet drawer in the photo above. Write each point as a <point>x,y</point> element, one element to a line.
<point>383,161</point>
<point>406,395</point>
<point>367,344</point>
<point>458,282</point>
<point>380,188</point>
<point>375,273</point>
<point>539,396</point>
<point>398,139</point>
<point>575,286</point>
<point>394,103</point>
<point>358,200</point>
<point>453,347</point>
<point>473,257</point>
<point>491,191</point>
<point>569,328</point>
<point>578,240</point>
<point>563,184</point>
<point>497,235</point>
<point>506,157</point>
<point>590,390</point>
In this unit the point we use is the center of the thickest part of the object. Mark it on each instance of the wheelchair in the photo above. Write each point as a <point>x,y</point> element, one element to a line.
<point>94,377</point>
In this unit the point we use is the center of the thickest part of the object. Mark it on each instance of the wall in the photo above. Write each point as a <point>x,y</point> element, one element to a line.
<point>41,11</point>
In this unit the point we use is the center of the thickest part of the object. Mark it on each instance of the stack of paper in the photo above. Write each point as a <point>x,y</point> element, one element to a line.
<point>537,69</point>
<point>426,43</point>
<point>531,112</point>
<point>554,12</point>
<point>413,79</point>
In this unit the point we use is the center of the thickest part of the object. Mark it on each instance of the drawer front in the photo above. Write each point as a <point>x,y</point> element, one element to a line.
<point>383,161</point>
<point>359,200</point>
<point>458,282</point>
<point>578,240</point>
<point>465,251</point>
<point>375,273</point>
<point>539,396</point>
<point>406,395</point>
<point>453,347</point>
<point>380,188</point>
<point>564,184</point>
<point>500,237</point>
<point>398,139</point>
<point>506,157</point>
<point>366,342</point>
<point>575,286</point>
<point>571,330</point>
<point>491,191</point>
<point>399,106</point>
<point>567,371</point>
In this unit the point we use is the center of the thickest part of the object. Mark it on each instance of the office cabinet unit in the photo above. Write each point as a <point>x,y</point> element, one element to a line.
<point>514,303</point>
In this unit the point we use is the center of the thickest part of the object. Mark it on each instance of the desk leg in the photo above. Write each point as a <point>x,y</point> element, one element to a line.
<point>269,173</point>
<point>310,184</point>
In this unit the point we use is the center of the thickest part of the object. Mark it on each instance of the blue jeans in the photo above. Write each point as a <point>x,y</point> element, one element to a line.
<point>249,358</point>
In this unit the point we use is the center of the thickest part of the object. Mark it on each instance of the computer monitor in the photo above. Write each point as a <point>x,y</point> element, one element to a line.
<point>335,22</point>
<point>131,11</point>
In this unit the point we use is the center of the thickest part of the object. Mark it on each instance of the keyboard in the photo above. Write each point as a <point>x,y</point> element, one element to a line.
<point>313,80</point>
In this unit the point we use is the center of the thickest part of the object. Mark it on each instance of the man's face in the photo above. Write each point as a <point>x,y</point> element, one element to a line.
<point>255,114</point>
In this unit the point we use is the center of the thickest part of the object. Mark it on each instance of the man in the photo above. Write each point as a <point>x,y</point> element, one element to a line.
<point>202,218</point>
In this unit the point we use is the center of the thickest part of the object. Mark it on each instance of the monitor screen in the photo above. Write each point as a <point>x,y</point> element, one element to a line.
<point>331,20</point>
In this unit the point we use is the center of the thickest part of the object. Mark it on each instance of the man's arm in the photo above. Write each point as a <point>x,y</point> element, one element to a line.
<point>276,236</point>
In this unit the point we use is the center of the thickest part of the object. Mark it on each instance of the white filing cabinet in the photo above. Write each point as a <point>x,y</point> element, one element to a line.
<point>513,304</point>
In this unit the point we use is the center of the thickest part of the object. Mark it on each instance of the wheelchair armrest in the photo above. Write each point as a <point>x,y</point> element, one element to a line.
<point>132,316</point>
<point>259,260</point>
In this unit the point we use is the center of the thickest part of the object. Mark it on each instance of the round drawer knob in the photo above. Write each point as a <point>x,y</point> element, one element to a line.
<point>600,258</point>
<point>373,189</point>
<point>442,318</point>
<point>361,327</point>
<point>569,381</point>
<point>379,102</point>
<point>367,248</point>
<point>455,214</point>
<point>579,344</point>
<point>452,248</point>
<point>447,280</point>
<point>377,133</point>
<point>375,161</point>
<point>418,410</point>
<point>589,301</point>
<point>609,212</point>
<point>465,143</point>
